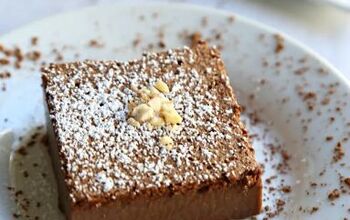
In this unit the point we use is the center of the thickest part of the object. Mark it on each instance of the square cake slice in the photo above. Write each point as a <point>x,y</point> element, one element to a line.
<point>155,138</point>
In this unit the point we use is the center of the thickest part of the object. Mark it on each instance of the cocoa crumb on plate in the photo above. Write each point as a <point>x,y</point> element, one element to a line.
<point>231,19</point>
<point>5,75</point>
<point>136,42</point>
<point>286,189</point>
<point>95,43</point>
<point>313,210</point>
<point>279,45</point>
<point>338,152</point>
<point>334,194</point>
<point>329,138</point>
<point>33,55</point>
<point>4,61</point>
<point>347,181</point>
<point>34,41</point>
<point>204,21</point>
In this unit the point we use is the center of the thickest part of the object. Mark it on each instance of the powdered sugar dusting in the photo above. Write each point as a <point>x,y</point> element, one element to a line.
<point>105,156</point>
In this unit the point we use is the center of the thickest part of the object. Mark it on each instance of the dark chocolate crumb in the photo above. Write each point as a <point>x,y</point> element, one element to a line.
<point>34,136</point>
<point>231,19</point>
<point>25,174</point>
<point>218,36</point>
<point>5,75</point>
<point>325,101</point>
<point>31,143</point>
<point>95,43</point>
<point>322,71</point>
<point>313,210</point>
<point>22,151</point>
<point>322,172</point>
<point>309,95</point>
<point>329,138</point>
<point>33,55</point>
<point>347,181</point>
<point>161,44</point>
<point>4,61</point>
<point>279,45</point>
<point>338,152</point>
<point>136,41</point>
<point>18,193</point>
<point>195,38</point>
<point>313,184</point>
<point>15,215</point>
<point>44,140</point>
<point>34,41</point>
<point>280,203</point>
<point>334,194</point>
<point>301,71</point>
<point>286,189</point>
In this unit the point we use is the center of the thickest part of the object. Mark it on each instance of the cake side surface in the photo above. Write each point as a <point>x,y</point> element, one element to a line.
<point>231,202</point>
<point>104,158</point>
<point>65,203</point>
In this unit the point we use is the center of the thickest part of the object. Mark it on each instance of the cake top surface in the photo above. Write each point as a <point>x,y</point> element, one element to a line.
<point>106,158</point>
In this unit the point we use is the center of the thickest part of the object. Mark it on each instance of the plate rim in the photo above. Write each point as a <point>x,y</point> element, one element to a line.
<point>333,72</point>
<point>189,6</point>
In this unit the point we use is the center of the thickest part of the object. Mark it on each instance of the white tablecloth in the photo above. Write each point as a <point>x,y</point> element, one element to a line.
<point>323,28</point>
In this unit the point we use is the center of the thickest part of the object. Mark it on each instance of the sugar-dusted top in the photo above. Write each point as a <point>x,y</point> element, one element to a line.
<point>105,158</point>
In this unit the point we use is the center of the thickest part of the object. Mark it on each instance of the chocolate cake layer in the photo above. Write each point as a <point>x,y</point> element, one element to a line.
<point>108,168</point>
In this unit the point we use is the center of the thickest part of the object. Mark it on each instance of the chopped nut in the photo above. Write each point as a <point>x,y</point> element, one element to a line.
<point>146,91</point>
<point>154,92</point>
<point>149,126</point>
<point>156,103</point>
<point>142,113</point>
<point>144,97</point>
<point>167,142</point>
<point>133,122</point>
<point>157,121</point>
<point>169,113</point>
<point>131,106</point>
<point>167,106</point>
<point>334,194</point>
<point>172,117</point>
<point>145,94</point>
<point>161,86</point>
<point>156,109</point>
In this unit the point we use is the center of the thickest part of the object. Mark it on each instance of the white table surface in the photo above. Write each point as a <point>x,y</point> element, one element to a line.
<point>323,28</point>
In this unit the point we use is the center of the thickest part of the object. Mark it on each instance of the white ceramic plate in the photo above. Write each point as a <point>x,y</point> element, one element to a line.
<point>282,93</point>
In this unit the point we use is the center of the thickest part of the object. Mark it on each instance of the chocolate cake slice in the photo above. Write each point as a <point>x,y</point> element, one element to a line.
<point>155,138</point>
